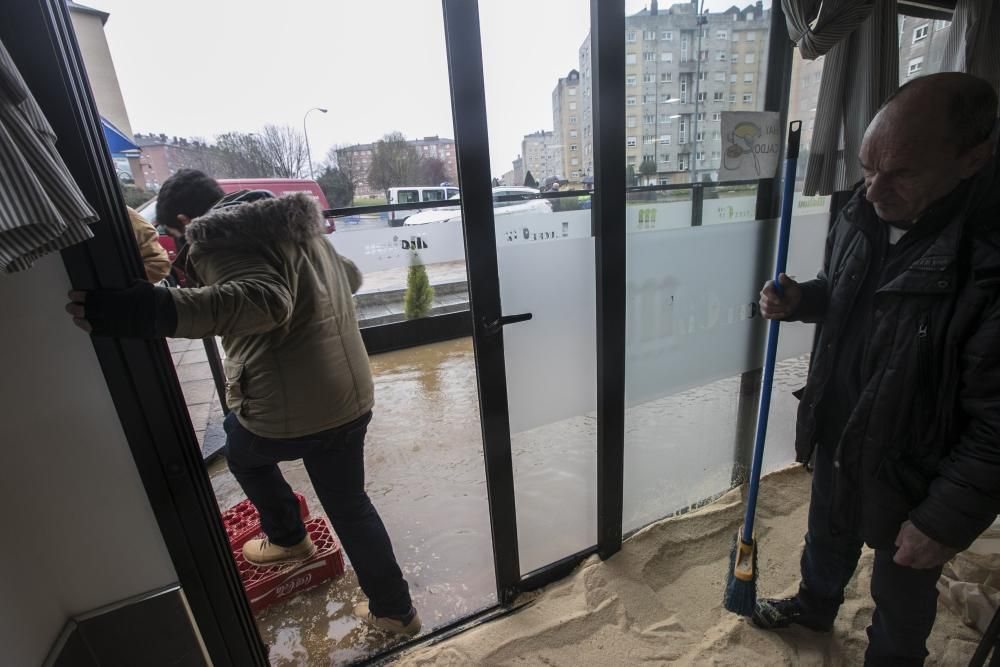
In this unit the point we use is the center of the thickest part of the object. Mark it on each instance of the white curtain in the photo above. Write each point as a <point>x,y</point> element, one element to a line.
<point>861,69</point>
<point>972,44</point>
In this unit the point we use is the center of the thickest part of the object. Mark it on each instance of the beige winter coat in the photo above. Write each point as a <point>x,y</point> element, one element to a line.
<point>280,297</point>
<point>155,260</point>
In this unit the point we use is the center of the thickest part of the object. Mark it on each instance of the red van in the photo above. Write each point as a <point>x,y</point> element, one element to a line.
<point>276,186</point>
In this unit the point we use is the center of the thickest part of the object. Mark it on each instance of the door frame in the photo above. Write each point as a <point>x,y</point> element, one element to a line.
<point>141,377</point>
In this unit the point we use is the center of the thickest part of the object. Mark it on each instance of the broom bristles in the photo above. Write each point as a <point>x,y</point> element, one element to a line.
<point>741,595</point>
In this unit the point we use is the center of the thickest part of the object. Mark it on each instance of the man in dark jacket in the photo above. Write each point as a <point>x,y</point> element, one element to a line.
<point>901,412</point>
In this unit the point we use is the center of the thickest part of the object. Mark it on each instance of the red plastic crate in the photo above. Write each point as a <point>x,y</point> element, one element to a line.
<point>242,522</point>
<point>266,585</point>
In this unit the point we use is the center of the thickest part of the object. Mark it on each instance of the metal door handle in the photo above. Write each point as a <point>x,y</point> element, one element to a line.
<point>493,328</point>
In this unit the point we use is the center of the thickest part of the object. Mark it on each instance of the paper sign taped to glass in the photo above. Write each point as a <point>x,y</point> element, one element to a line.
<point>751,145</point>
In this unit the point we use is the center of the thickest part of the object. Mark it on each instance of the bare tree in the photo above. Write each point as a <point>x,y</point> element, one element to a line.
<point>345,158</point>
<point>284,148</point>
<point>394,162</point>
<point>241,155</point>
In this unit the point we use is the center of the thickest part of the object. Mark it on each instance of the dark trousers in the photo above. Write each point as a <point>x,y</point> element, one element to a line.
<point>335,462</point>
<point>905,598</point>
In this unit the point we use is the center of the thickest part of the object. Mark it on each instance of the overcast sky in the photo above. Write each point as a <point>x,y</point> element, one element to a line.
<point>198,68</point>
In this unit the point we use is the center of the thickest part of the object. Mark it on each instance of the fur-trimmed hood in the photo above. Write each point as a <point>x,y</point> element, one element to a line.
<point>294,217</point>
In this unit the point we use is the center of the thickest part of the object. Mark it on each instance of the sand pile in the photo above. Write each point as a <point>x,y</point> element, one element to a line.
<point>660,600</point>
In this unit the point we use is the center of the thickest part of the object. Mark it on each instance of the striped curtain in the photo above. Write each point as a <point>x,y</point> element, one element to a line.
<point>972,41</point>
<point>41,208</point>
<point>861,69</point>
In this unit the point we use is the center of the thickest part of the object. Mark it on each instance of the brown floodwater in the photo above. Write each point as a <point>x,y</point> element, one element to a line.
<point>425,475</point>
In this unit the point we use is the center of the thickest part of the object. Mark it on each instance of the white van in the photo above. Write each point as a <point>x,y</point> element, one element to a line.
<point>416,194</point>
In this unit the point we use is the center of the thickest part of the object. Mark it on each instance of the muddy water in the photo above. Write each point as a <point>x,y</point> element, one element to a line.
<point>425,472</point>
<point>425,475</point>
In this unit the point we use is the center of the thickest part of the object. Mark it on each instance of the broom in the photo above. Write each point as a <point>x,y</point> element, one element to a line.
<point>741,585</point>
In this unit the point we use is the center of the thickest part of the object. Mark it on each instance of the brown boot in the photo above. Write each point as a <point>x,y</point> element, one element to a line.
<point>262,553</point>
<point>399,626</point>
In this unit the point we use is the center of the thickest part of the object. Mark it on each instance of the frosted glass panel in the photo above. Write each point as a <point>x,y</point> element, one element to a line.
<point>692,330</point>
<point>551,389</point>
<point>805,258</point>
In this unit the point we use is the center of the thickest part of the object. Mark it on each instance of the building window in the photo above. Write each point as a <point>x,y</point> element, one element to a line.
<point>572,134</point>
<point>717,97</point>
<point>649,99</point>
<point>751,36</point>
<point>648,139</point>
<point>665,139</point>
<point>751,16</point>
<point>575,175</point>
<point>703,76</point>
<point>716,117</point>
<point>665,119</point>
<point>572,120</point>
<point>720,76</point>
<point>736,36</point>
<point>572,106</point>
<point>630,121</point>
<point>666,77</point>
<point>732,78</point>
<point>667,56</point>
<point>649,35</point>
<point>574,162</point>
<point>648,56</point>
<point>722,34</point>
<point>915,66</point>
<point>920,33</point>
<point>681,164</point>
<point>749,59</point>
<point>572,91</point>
<point>721,57</point>
<point>667,35</point>
<point>649,119</point>
<point>715,135</point>
<point>701,117</point>
<point>630,80</point>
<point>699,136</point>
<point>573,148</point>
<point>666,99</point>
<point>630,36</point>
<point>649,77</point>
<point>748,77</point>
<point>747,98</point>
<point>716,155</point>
<point>630,59</point>
<point>700,156</point>
<point>732,98</point>
<point>702,96</point>
<point>941,25</point>
<point>630,101</point>
<point>630,142</point>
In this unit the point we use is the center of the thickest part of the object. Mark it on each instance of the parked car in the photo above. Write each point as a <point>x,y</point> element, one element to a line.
<point>276,186</point>
<point>507,200</point>
<point>414,194</point>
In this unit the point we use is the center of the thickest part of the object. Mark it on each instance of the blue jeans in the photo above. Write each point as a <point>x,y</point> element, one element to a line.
<point>905,598</point>
<point>335,462</point>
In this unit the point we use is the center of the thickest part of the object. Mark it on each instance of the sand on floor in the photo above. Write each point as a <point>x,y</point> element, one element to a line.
<point>659,600</point>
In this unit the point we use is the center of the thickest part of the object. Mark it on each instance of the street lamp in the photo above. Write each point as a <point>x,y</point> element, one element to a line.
<point>308,152</point>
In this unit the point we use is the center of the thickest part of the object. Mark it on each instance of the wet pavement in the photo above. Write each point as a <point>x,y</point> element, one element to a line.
<point>424,465</point>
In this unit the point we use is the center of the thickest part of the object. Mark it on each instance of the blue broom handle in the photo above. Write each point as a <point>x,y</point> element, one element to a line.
<point>770,356</point>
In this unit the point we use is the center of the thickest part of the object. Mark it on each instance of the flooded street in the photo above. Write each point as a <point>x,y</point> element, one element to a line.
<point>425,474</point>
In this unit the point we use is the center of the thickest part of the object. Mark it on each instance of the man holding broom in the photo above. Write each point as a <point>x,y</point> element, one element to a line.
<point>901,412</point>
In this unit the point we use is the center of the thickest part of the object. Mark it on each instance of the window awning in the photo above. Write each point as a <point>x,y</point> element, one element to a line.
<point>118,141</point>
